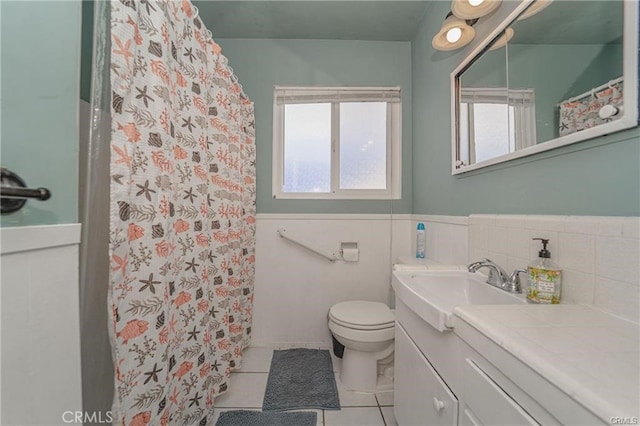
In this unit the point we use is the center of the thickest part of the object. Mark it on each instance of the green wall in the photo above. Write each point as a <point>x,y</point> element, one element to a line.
<point>558,72</point>
<point>555,71</point>
<point>40,53</point>
<point>261,64</point>
<point>596,177</point>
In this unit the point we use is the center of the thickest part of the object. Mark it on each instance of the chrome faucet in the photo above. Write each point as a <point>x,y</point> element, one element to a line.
<point>498,277</point>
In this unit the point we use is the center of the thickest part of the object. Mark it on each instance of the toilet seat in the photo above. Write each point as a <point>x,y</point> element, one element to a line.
<point>362,327</point>
<point>362,315</point>
<point>357,336</point>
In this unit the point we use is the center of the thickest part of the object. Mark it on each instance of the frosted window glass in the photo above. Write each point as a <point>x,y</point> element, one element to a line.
<point>307,147</point>
<point>491,130</point>
<point>512,129</point>
<point>363,145</point>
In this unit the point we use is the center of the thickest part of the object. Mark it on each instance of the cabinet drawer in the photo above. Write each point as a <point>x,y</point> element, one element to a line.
<point>421,397</point>
<point>488,402</point>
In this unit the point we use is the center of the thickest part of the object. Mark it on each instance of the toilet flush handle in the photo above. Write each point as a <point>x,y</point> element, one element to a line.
<point>437,404</point>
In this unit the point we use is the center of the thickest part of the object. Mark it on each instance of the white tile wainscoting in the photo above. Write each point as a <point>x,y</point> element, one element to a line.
<point>599,256</point>
<point>294,288</point>
<point>447,238</point>
<point>40,324</point>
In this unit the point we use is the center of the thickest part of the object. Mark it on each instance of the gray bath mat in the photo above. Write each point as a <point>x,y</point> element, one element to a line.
<point>299,379</point>
<point>259,418</point>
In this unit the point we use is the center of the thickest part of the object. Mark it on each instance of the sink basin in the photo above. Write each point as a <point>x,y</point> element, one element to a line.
<point>433,295</point>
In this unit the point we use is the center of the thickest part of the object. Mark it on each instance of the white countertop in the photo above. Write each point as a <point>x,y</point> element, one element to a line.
<point>590,355</point>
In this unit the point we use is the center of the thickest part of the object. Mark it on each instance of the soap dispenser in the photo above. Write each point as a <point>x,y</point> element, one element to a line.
<point>545,278</point>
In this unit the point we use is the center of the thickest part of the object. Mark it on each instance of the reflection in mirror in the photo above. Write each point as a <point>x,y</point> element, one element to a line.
<point>554,76</point>
<point>484,115</point>
<point>570,55</point>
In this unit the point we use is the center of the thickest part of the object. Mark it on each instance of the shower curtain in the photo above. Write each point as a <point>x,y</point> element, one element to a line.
<point>581,112</point>
<point>182,215</point>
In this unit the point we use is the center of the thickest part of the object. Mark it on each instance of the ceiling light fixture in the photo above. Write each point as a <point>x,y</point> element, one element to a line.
<point>471,9</point>
<point>457,31</point>
<point>503,39</point>
<point>454,33</point>
<point>536,7</point>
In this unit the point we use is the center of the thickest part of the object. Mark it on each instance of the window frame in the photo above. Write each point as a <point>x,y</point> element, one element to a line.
<point>524,115</point>
<point>333,96</point>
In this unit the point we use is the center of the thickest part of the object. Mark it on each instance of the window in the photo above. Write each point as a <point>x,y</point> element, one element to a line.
<point>336,143</point>
<point>495,122</point>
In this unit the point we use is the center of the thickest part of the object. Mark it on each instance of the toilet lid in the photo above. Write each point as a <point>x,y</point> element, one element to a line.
<point>362,313</point>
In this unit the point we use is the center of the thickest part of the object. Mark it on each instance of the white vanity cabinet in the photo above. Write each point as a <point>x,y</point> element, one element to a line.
<point>421,397</point>
<point>465,355</point>
<point>487,403</point>
<point>441,380</point>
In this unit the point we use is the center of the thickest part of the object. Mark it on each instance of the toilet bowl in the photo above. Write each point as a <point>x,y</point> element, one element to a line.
<point>366,329</point>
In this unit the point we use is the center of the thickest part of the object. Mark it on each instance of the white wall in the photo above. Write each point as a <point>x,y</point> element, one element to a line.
<point>295,288</point>
<point>40,324</point>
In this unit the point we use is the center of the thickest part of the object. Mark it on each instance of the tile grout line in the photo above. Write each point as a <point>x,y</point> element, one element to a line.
<point>357,406</point>
<point>382,415</point>
<point>380,410</point>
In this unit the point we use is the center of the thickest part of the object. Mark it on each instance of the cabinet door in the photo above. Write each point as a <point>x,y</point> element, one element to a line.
<point>490,404</point>
<point>421,397</point>
<point>467,418</point>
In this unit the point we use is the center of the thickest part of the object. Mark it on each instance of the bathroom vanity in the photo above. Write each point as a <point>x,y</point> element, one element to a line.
<point>513,364</point>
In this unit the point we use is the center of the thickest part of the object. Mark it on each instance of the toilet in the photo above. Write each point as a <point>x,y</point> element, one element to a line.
<point>366,329</point>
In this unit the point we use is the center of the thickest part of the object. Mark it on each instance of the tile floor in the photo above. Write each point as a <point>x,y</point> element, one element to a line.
<point>246,392</point>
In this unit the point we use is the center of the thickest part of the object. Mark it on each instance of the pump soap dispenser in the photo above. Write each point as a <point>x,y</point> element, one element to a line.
<point>545,278</point>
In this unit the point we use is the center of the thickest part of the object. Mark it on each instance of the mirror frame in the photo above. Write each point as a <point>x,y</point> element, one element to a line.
<point>629,117</point>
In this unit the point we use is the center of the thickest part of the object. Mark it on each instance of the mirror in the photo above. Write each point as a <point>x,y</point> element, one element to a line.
<point>483,109</point>
<point>553,73</point>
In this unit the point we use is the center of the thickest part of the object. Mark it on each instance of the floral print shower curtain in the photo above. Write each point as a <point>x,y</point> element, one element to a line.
<point>182,221</point>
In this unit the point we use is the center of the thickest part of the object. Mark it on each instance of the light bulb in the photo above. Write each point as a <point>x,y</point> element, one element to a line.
<point>476,2</point>
<point>454,34</point>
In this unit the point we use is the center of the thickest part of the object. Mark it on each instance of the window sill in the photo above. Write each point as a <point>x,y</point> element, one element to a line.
<point>359,195</point>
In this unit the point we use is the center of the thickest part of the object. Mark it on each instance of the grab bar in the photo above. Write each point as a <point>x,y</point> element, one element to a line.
<point>14,192</point>
<point>283,234</point>
<point>41,194</point>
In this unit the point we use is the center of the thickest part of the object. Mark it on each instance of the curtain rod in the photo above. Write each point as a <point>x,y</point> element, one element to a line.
<point>592,91</point>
